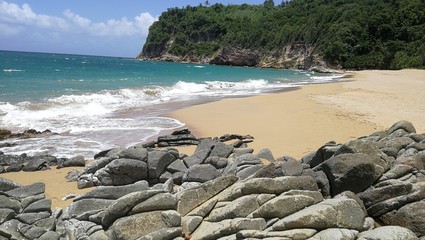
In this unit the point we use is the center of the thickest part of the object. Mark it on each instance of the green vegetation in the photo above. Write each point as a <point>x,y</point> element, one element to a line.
<point>355,34</point>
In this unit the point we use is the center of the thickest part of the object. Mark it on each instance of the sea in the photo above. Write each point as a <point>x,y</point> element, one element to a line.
<point>95,103</point>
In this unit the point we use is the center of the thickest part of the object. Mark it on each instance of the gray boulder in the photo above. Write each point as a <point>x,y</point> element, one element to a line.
<point>177,166</point>
<point>26,191</point>
<point>7,185</point>
<point>404,125</point>
<point>283,206</point>
<point>139,225</point>
<point>115,192</point>
<point>335,233</point>
<point>292,167</point>
<point>341,212</point>
<point>161,201</point>
<point>215,230</point>
<point>43,205</point>
<point>350,172</point>
<point>122,171</point>
<point>266,154</point>
<point>375,195</point>
<point>9,203</point>
<point>282,235</point>
<point>164,234</point>
<point>410,216</point>
<point>6,214</point>
<point>125,204</point>
<point>97,164</point>
<point>158,161</point>
<point>201,173</point>
<point>84,208</point>
<point>221,150</point>
<point>137,153</point>
<point>36,164</point>
<point>388,233</point>
<point>77,161</point>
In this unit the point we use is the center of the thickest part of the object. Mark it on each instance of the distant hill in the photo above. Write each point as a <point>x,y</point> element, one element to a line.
<point>302,34</point>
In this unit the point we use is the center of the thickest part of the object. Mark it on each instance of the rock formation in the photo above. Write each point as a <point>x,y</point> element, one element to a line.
<point>225,192</point>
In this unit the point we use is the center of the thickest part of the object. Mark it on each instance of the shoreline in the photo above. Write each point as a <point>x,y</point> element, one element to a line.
<point>311,116</point>
<point>314,114</point>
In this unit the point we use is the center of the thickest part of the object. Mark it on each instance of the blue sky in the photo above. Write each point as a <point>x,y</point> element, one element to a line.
<point>93,27</point>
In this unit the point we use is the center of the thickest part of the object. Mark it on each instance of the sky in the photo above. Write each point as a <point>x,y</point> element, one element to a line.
<point>90,27</point>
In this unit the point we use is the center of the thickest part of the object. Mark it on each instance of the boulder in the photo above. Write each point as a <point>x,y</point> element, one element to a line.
<point>201,173</point>
<point>374,195</point>
<point>35,165</point>
<point>31,218</point>
<point>215,230</point>
<point>201,153</point>
<point>193,197</point>
<point>75,229</point>
<point>221,150</point>
<point>341,212</point>
<point>388,233</point>
<point>125,204</point>
<point>138,225</point>
<point>122,171</point>
<point>158,161</point>
<point>6,214</point>
<point>292,167</point>
<point>160,201</point>
<point>77,161</point>
<point>266,154</point>
<point>336,233</point>
<point>26,191</point>
<point>43,205</point>
<point>177,166</point>
<point>283,206</point>
<point>9,203</point>
<point>410,216</point>
<point>97,164</point>
<point>82,209</point>
<point>283,235</point>
<point>350,172</point>
<point>115,192</point>
<point>164,234</point>
<point>404,125</point>
<point>137,153</point>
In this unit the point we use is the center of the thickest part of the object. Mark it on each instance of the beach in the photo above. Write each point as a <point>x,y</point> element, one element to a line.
<point>297,122</point>
<point>291,123</point>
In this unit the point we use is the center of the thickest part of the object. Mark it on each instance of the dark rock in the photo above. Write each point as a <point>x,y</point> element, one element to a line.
<point>15,167</point>
<point>375,195</point>
<point>177,166</point>
<point>150,144</point>
<point>397,171</point>
<point>386,206</point>
<point>97,164</point>
<point>165,176</point>
<point>217,162</point>
<point>236,57</point>
<point>43,205</point>
<point>350,172</point>
<point>158,161</point>
<point>201,153</point>
<point>31,218</point>
<point>396,143</point>
<point>77,161</point>
<point>323,183</point>
<point>26,191</point>
<point>7,185</point>
<point>160,201</point>
<point>82,209</point>
<point>322,154</point>
<point>269,171</point>
<point>123,171</point>
<point>6,214</point>
<point>410,216</point>
<point>221,150</point>
<point>178,178</point>
<point>9,203</point>
<point>135,153</point>
<point>115,192</point>
<point>25,202</point>
<point>404,125</point>
<point>201,173</point>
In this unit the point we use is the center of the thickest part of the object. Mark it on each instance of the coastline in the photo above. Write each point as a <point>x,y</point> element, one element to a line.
<point>290,123</point>
<point>295,123</point>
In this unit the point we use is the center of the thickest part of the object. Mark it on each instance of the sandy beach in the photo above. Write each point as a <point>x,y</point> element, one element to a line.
<point>291,123</point>
<point>297,122</point>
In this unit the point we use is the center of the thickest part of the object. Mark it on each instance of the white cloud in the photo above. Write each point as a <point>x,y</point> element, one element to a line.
<point>13,16</point>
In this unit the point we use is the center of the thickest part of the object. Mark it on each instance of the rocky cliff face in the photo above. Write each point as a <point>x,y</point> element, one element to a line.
<point>295,56</point>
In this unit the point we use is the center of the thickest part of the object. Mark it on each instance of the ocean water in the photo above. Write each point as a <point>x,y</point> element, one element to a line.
<point>96,103</point>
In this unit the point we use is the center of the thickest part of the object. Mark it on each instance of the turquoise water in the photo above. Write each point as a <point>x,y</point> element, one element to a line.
<point>96,102</point>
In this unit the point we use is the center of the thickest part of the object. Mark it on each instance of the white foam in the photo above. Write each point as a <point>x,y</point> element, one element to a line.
<point>13,70</point>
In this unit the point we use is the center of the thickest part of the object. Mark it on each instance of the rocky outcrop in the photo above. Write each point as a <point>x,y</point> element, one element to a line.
<point>295,56</point>
<point>337,192</point>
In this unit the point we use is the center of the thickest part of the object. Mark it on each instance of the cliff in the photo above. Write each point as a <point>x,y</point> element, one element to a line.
<point>311,35</point>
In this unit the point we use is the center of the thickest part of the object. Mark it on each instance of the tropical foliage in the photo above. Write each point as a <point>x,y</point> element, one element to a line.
<point>355,34</point>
